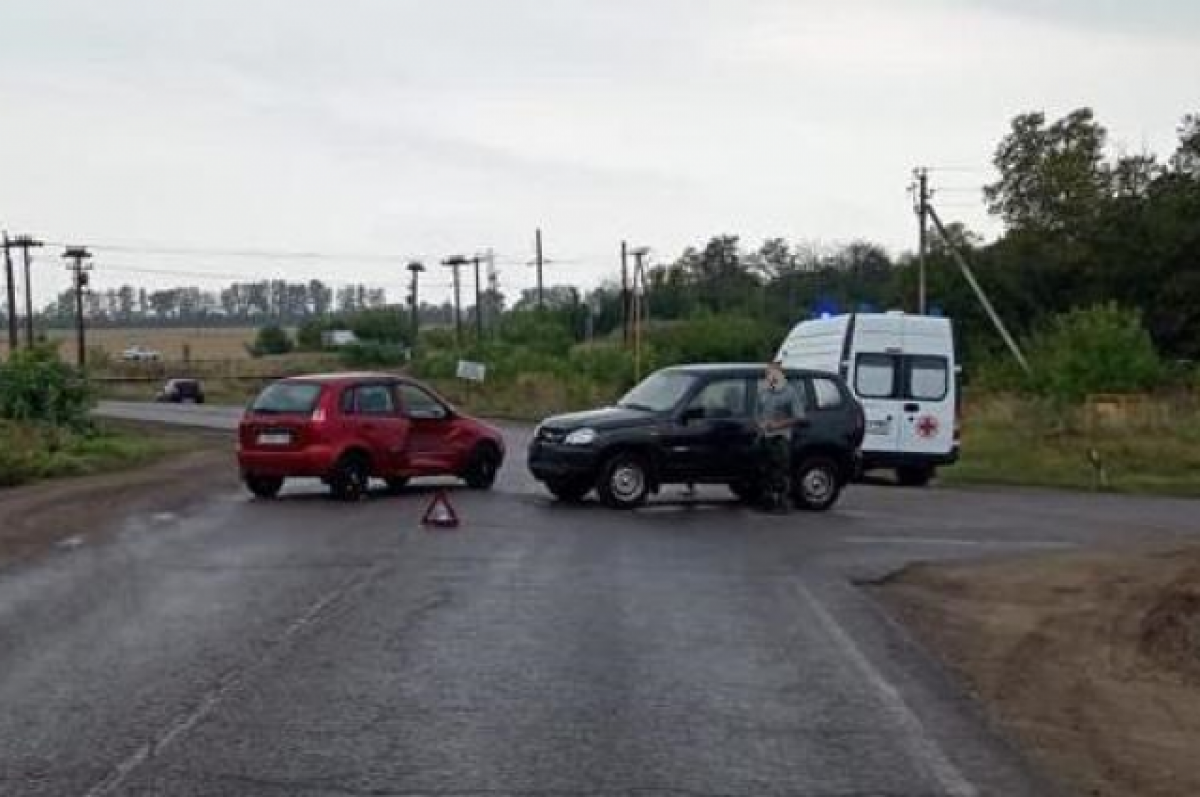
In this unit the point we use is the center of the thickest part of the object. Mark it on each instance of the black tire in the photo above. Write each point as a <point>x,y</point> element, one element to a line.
<point>816,483</point>
<point>396,484</point>
<point>351,478</point>
<point>747,492</point>
<point>266,487</point>
<point>918,476</point>
<point>484,466</point>
<point>624,481</point>
<point>570,491</point>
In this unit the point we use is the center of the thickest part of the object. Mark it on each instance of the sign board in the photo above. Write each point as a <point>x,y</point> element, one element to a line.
<point>474,372</point>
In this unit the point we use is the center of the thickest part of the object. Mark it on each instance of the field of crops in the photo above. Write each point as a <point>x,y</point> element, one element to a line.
<point>173,343</point>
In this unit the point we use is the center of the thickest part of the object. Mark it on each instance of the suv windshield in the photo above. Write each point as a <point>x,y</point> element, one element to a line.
<point>658,392</point>
<point>287,397</point>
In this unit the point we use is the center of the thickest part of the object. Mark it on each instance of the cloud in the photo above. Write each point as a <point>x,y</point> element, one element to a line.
<point>416,127</point>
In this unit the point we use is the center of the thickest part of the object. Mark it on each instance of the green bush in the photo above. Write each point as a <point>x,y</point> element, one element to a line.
<point>383,325</point>
<point>373,354</point>
<point>715,338</point>
<point>1101,349</point>
<point>36,386</point>
<point>271,339</point>
<point>310,334</point>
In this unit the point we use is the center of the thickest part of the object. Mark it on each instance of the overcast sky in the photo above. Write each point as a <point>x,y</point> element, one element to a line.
<point>424,128</point>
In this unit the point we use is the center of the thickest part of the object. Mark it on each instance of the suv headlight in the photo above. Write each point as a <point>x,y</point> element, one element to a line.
<point>581,437</point>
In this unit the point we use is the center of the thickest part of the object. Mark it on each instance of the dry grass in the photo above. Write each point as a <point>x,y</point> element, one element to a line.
<point>204,343</point>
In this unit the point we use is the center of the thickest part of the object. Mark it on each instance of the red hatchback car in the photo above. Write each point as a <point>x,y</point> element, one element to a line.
<point>346,429</point>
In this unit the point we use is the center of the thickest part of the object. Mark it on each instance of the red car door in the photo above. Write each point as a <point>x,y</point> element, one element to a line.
<point>376,420</point>
<point>436,443</point>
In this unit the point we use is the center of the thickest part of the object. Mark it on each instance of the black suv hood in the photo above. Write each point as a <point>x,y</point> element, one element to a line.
<point>606,418</point>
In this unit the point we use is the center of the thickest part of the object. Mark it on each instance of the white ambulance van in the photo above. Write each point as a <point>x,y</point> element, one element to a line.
<point>903,370</point>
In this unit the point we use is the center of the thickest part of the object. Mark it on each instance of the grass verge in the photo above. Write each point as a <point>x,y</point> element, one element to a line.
<point>1012,442</point>
<point>31,452</point>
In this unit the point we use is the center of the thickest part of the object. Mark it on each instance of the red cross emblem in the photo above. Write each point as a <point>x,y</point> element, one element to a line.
<point>927,426</point>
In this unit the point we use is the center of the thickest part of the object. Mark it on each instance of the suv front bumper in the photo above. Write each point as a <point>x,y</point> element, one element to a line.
<point>551,461</point>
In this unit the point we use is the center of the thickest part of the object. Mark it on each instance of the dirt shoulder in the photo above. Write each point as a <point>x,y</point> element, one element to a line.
<point>40,517</point>
<point>1091,661</point>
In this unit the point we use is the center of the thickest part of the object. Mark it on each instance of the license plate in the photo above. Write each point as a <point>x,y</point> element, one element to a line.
<point>881,426</point>
<point>274,439</point>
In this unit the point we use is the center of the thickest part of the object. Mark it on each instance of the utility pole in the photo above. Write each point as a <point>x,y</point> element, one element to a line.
<point>922,208</point>
<point>11,289</point>
<point>415,268</point>
<point>25,243</point>
<point>79,270</point>
<point>539,261</point>
<point>980,294</point>
<point>625,293</point>
<point>478,301</point>
<point>456,262</point>
<point>493,280</point>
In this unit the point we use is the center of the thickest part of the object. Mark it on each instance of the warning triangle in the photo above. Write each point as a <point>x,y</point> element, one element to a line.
<point>440,513</point>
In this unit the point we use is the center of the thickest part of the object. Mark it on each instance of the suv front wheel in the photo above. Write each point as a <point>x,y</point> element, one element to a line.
<point>624,481</point>
<point>816,483</point>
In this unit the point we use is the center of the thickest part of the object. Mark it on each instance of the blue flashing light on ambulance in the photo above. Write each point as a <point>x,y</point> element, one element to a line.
<point>903,370</point>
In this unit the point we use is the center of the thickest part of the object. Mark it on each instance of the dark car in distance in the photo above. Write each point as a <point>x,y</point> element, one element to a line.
<point>694,424</point>
<point>178,391</point>
<point>347,429</point>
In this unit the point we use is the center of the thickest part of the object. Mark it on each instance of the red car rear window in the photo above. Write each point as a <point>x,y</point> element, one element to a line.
<point>287,398</point>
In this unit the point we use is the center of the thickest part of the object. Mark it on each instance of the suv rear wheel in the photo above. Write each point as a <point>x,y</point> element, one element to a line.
<point>816,484</point>
<point>351,477</point>
<point>263,486</point>
<point>624,481</point>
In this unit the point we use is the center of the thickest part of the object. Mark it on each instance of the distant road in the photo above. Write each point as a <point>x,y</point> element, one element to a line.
<point>207,416</point>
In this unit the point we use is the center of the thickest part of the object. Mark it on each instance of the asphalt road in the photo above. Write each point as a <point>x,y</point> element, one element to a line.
<point>304,647</point>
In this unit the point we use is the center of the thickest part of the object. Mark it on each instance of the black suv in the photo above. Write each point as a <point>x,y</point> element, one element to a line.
<point>694,424</point>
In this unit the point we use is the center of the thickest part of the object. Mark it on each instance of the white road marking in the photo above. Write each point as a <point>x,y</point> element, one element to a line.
<point>902,540</point>
<point>918,744</point>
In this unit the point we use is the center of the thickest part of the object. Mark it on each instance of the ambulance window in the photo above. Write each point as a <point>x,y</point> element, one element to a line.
<point>826,394</point>
<point>928,378</point>
<point>875,376</point>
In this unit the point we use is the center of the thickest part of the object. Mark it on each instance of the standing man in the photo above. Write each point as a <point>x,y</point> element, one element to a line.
<point>779,412</point>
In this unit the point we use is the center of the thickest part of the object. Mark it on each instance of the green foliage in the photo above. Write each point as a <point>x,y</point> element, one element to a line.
<point>271,339</point>
<point>713,338</point>
<point>309,335</point>
<point>373,354</point>
<point>544,332</point>
<point>1052,177</point>
<point>1102,349</point>
<point>36,386</point>
<point>383,325</point>
<point>29,452</point>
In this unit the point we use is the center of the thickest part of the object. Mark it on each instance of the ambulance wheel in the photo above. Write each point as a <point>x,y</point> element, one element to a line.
<point>916,476</point>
